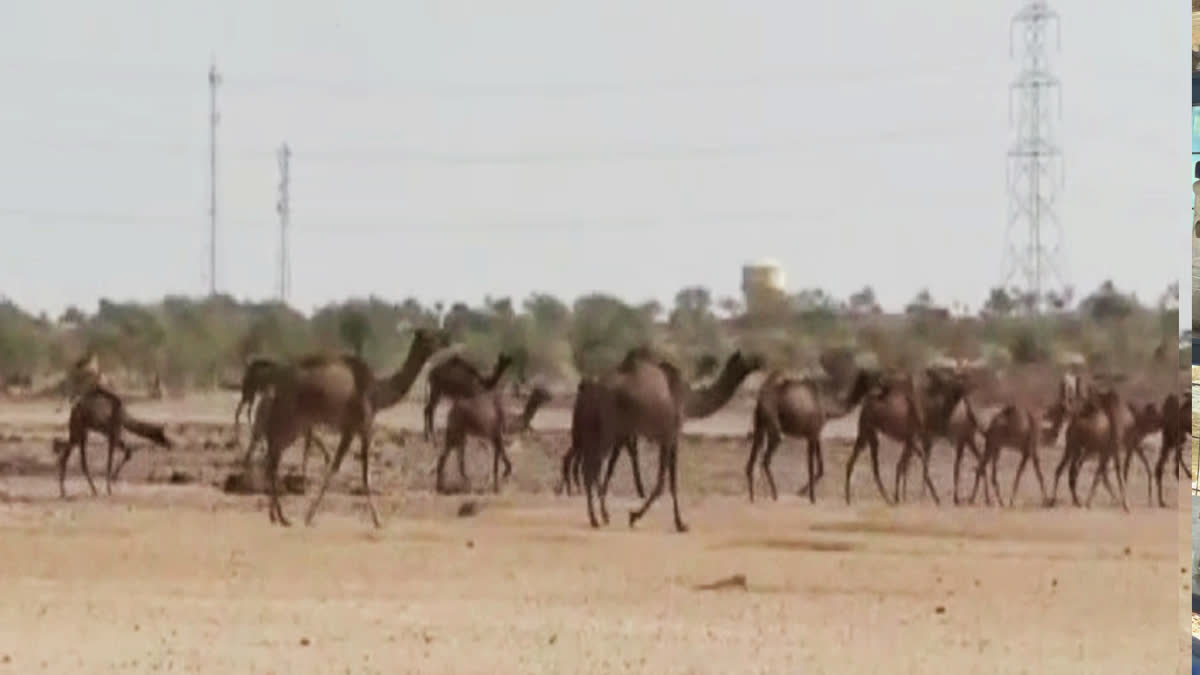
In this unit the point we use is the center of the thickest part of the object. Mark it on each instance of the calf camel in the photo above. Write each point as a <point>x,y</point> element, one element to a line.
<point>797,407</point>
<point>1016,427</point>
<point>480,414</point>
<point>102,411</point>
<point>340,392</point>
<point>256,380</point>
<point>647,397</point>
<point>889,407</point>
<point>456,378</point>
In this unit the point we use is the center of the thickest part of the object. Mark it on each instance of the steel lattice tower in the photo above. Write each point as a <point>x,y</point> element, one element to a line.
<point>1034,237</point>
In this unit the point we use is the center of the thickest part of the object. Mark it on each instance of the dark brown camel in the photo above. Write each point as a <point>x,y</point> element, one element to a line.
<point>480,414</point>
<point>454,378</point>
<point>796,407</point>
<point>102,411</point>
<point>1016,427</point>
<point>1176,424</point>
<point>890,407</point>
<point>340,392</point>
<point>256,380</point>
<point>646,397</point>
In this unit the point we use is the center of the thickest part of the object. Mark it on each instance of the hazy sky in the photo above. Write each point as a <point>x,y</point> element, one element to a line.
<point>448,150</point>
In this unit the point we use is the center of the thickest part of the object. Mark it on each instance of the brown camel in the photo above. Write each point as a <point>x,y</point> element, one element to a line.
<point>694,406</point>
<point>256,380</point>
<point>258,433</point>
<point>1016,427</point>
<point>480,414</point>
<point>797,407</point>
<point>949,415</point>
<point>890,407</point>
<point>1101,425</point>
<point>454,378</point>
<point>1176,424</point>
<point>102,411</point>
<point>1147,419</point>
<point>339,392</point>
<point>646,397</point>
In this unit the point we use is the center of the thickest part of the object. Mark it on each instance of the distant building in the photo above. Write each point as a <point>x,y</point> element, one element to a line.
<point>763,284</point>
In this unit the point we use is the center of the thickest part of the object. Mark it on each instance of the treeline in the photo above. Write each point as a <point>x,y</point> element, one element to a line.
<point>195,343</point>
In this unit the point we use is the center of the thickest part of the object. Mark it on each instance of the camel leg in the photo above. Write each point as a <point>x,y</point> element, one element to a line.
<point>631,445</point>
<point>237,420</point>
<point>814,473</point>
<point>1159,466</point>
<point>364,439</point>
<point>1012,496</point>
<point>1187,468</point>
<point>497,453</point>
<point>873,442</point>
<point>62,468</point>
<point>1121,487</point>
<point>439,485</point>
<point>431,405</point>
<point>774,438</point>
<point>1101,474</point>
<point>859,444</point>
<point>564,481</point>
<point>925,451</point>
<point>1037,468</point>
<point>460,455</point>
<point>981,470</point>
<point>275,508</point>
<point>613,455</point>
<point>108,464</point>
<point>342,449</point>
<point>958,455</point>
<point>1137,450</point>
<point>756,443</point>
<point>83,464</point>
<point>901,474</point>
<point>663,463</point>
<point>994,477</point>
<point>680,526</point>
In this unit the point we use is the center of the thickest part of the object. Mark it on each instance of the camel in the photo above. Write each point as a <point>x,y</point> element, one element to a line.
<point>339,392</point>
<point>83,376</point>
<point>479,413</point>
<point>456,378</point>
<point>949,415</point>
<point>571,464</point>
<point>1146,420</point>
<point>1016,427</point>
<point>889,407</point>
<point>256,380</point>
<point>797,407</point>
<point>1175,427</point>
<point>1101,426</point>
<point>100,410</point>
<point>646,397</point>
<point>258,432</point>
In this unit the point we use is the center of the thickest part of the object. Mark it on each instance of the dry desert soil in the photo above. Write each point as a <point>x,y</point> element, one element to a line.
<point>170,574</point>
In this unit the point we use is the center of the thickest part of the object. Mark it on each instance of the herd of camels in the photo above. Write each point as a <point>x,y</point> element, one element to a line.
<point>646,398</point>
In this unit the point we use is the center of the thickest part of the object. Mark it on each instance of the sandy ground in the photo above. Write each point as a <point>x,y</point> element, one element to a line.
<point>165,577</point>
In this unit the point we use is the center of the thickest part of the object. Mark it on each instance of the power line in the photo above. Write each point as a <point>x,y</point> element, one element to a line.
<point>384,155</point>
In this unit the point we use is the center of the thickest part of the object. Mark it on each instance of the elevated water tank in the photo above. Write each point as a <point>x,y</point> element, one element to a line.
<point>762,282</point>
<point>763,274</point>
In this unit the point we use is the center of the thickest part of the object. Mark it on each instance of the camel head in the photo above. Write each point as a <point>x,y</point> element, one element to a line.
<point>864,382</point>
<point>426,341</point>
<point>743,364</point>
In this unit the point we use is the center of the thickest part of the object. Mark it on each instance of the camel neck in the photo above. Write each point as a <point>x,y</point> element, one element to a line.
<point>391,389</point>
<point>708,400</point>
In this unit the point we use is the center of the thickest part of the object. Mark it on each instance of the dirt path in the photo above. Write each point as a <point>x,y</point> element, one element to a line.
<point>184,578</point>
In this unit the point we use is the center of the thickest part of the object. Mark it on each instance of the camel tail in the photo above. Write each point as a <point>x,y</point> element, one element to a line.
<point>155,433</point>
